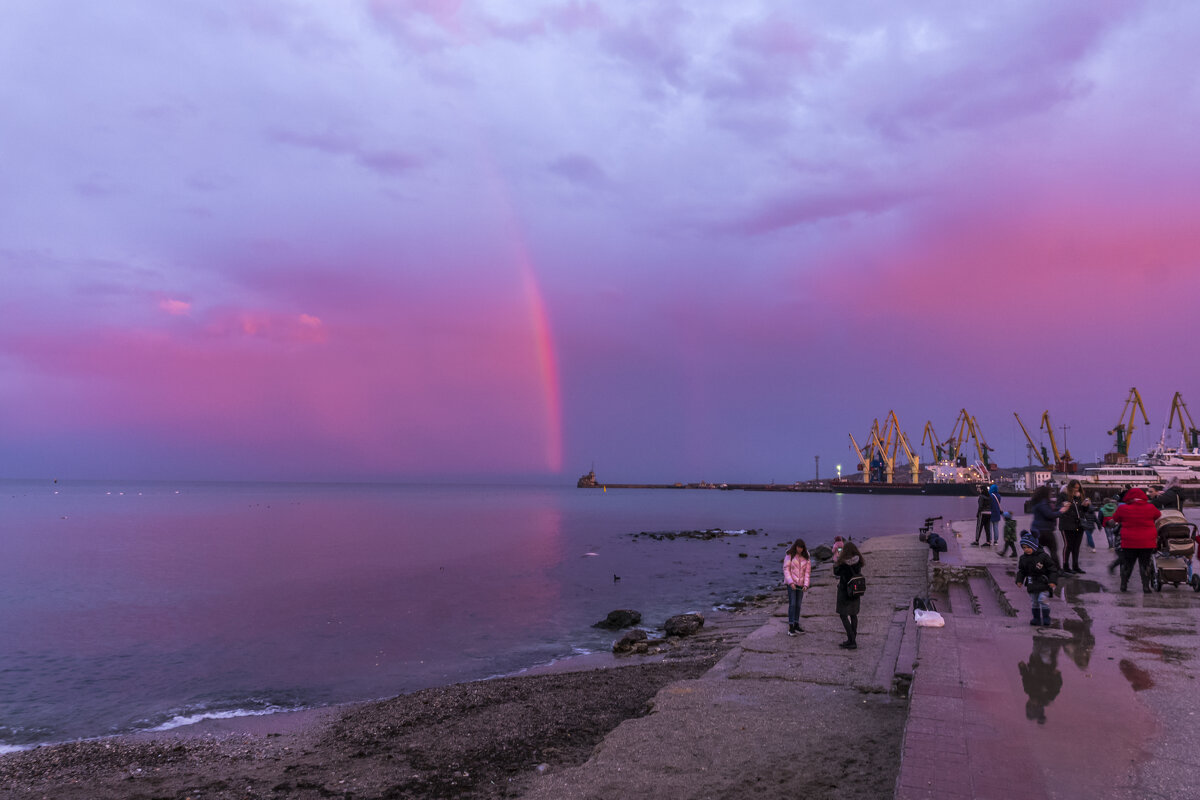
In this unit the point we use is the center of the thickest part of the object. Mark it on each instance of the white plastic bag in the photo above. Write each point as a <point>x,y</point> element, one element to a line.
<point>928,619</point>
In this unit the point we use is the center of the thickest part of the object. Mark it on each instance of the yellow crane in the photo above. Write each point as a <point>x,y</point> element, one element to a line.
<point>914,460</point>
<point>1039,451</point>
<point>1062,461</point>
<point>1120,453</point>
<point>1189,434</point>
<point>958,434</point>
<point>935,444</point>
<point>888,441</point>
<point>981,445</point>
<point>864,459</point>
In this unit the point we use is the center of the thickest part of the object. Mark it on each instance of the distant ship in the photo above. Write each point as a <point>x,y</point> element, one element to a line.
<point>587,481</point>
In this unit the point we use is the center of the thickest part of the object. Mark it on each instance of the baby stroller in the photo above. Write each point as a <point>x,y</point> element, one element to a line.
<point>1176,546</point>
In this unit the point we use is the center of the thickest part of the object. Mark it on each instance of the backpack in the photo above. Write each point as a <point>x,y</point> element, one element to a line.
<point>856,587</point>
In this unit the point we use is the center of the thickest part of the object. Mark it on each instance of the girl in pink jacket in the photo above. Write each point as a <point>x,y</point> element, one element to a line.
<point>797,567</point>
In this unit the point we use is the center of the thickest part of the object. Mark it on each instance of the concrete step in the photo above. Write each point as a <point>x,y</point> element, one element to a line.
<point>960,599</point>
<point>986,599</point>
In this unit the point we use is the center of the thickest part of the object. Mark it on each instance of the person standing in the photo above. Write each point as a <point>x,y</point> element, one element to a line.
<point>1038,573</point>
<point>797,567</point>
<point>1045,517</point>
<point>997,512</point>
<point>1091,521</point>
<point>983,518</point>
<point>1139,536</point>
<point>1071,525</point>
<point>849,565</point>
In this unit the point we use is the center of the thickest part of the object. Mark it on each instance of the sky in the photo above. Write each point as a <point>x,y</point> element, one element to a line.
<point>405,240</point>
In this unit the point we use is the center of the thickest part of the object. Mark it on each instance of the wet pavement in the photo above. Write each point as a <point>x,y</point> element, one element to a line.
<point>1100,704</point>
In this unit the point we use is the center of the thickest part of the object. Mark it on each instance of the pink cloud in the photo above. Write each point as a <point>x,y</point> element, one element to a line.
<point>175,307</point>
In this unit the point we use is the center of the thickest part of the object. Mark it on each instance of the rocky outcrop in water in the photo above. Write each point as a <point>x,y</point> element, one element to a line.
<point>711,533</point>
<point>621,618</point>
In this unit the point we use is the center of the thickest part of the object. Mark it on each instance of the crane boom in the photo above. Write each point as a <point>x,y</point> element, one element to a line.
<point>1040,451</point>
<point>1062,461</point>
<point>935,444</point>
<point>1189,433</point>
<point>1133,404</point>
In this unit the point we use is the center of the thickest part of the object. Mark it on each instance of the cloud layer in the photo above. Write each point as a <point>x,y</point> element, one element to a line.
<point>400,239</point>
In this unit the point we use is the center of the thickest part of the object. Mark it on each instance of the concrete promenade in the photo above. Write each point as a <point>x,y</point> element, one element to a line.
<point>779,716</point>
<point>1100,704</point>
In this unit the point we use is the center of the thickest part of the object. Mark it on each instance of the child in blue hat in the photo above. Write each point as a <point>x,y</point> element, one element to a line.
<point>1038,573</point>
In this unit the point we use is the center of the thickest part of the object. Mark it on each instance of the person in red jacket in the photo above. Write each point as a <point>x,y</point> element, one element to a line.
<point>1139,536</point>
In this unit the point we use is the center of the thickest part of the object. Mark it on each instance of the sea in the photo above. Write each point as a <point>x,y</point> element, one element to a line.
<point>131,606</point>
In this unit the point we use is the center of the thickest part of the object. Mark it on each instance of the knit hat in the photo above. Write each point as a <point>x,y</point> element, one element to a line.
<point>1031,542</point>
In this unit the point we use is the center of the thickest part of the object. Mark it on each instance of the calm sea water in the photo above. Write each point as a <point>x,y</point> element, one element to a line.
<point>132,606</point>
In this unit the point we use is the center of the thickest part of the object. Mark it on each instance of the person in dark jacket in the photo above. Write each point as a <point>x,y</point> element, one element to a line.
<point>849,564</point>
<point>1038,573</point>
<point>1077,504</point>
<point>983,518</point>
<point>1045,517</point>
<point>1169,498</point>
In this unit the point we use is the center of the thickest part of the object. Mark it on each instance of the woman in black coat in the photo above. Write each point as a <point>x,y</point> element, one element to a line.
<point>1045,518</point>
<point>1076,506</point>
<point>849,564</point>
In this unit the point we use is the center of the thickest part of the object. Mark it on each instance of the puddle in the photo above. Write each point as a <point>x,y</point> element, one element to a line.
<point>1077,587</point>
<point>1166,653</point>
<point>1138,678</point>
<point>1136,633</point>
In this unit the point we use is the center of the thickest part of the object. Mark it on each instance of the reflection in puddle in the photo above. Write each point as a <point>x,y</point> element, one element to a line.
<point>1041,678</point>
<point>1138,678</point>
<point>1074,589</point>
<point>1082,642</point>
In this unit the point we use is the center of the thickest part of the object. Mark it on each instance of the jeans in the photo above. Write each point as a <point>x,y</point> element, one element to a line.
<point>1087,530</point>
<point>795,598</point>
<point>1110,533</point>
<point>1039,602</point>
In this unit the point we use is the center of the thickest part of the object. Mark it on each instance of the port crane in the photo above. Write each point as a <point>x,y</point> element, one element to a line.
<point>1038,450</point>
<point>958,434</point>
<point>966,428</point>
<point>1189,434</point>
<point>1133,404</point>
<point>888,441</point>
<point>864,458</point>
<point>1062,460</point>
<point>935,444</point>
<point>981,445</point>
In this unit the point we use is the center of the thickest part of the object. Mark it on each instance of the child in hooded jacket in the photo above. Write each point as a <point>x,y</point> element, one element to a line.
<point>1010,535</point>
<point>1038,573</point>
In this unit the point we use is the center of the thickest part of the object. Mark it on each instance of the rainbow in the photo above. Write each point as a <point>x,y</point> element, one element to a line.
<point>543,341</point>
<point>546,361</point>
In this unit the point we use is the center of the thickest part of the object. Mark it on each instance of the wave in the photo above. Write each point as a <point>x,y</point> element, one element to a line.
<point>192,716</point>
